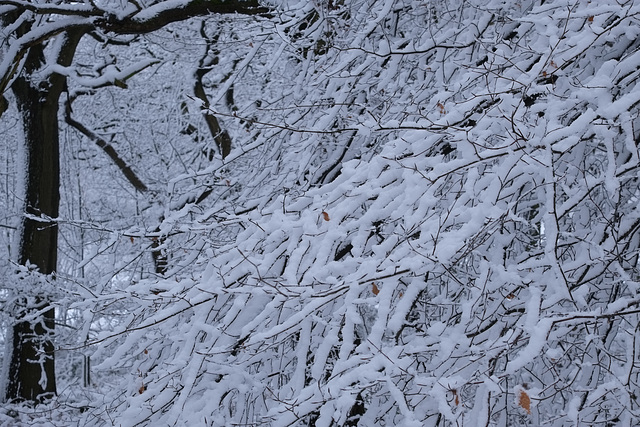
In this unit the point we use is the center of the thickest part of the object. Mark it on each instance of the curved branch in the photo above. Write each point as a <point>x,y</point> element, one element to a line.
<point>76,9</point>
<point>164,13</point>
<point>126,170</point>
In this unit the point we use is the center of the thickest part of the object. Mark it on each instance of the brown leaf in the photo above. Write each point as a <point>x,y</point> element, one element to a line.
<point>375,289</point>
<point>456,398</point>
<point>590,19</point>
<point>131,238</point>
<point>325,216</point>
<point>523,400</point>
<point>142,389</point>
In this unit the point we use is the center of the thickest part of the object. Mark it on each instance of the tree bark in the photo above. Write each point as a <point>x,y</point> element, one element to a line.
<point>32,341</point>
<point>31,370</point>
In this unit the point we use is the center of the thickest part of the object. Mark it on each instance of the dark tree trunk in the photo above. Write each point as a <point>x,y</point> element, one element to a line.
<point>31,373</point>
<point>220,136</point>
<point>206,64</point>
<point>32,341</point>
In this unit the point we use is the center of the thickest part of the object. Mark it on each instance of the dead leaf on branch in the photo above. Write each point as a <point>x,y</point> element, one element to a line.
<point>375,289</point>
<point>523,400</point>
<point>325,216</point>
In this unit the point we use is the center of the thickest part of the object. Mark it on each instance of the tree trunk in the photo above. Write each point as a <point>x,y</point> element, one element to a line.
<point>32,357</point>
<point>30,372</point>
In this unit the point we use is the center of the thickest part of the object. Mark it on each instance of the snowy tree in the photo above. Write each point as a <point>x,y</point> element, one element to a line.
<point>428,216</point>
<point>39,42</point>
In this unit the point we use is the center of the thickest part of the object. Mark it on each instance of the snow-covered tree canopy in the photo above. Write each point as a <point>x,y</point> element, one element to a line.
<point>433,221</point>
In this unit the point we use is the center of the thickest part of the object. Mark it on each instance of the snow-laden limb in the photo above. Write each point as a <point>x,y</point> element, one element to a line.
<point>26,24</point>
<point>15,47</point>
<point>134,19</point>
<point>46,8</point>
<point>109,76</point>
